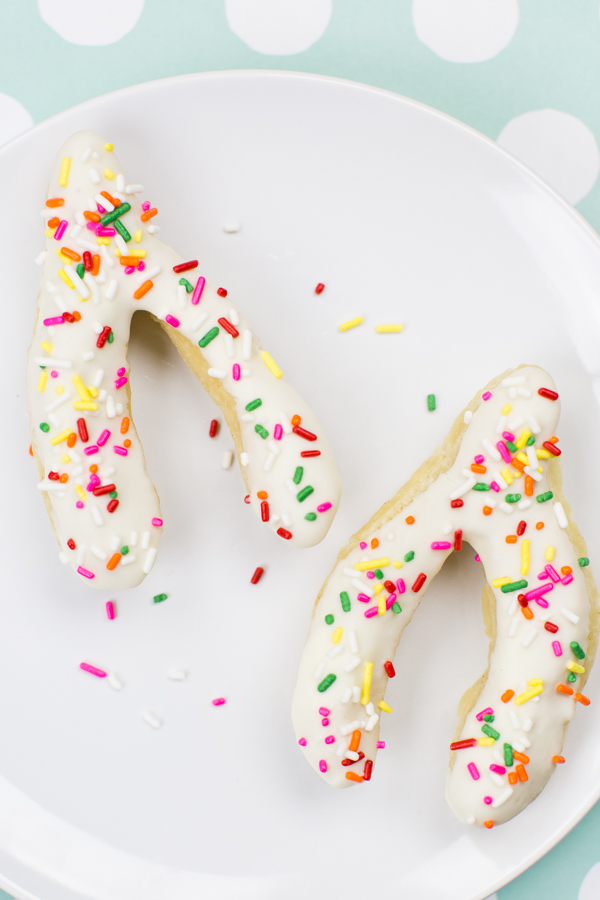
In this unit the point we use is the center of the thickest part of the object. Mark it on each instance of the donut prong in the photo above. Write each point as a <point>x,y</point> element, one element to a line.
<point>103,261</point>
<point>540,605</point>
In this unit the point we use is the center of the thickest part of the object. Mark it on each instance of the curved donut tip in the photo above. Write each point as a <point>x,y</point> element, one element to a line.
<point>495,484</point>
<point>103,261</point>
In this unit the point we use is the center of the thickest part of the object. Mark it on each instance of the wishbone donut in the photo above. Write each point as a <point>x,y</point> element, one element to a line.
<point>103,262</point>
<point>496,484</point>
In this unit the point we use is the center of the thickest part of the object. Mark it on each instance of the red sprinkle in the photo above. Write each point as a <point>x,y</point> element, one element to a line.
<point>456,504</point>
<point>521,527</point>
<point>185,267</point>
<point>264,511</point>
<point>368,770</point>
<point>389,668</point>
<point>462,745</point>
<point>389,586</point>
<point>350,762</point>
<point>71,544</point>
<point>112,505</point>
<point>550,626</point>
<point>103,489</point>
<point>419,582</point>
<point>82,429</point>
<point>221,292</point>
<point>319,288</point>
<point>229,327</point>
<point>247,498</point>
<point>458,539</point>
<point>523,600</point>
<point>88,262</point>
<point>214,427</point>
<point>103,336</point>
<point>551,448</point>
<point>257,575</point>
<point>306,453</point>
<point>303,433</point>
<point>68,317</point>
<point>284,534</point>
<point>53,476</point>
<point>546,392</point>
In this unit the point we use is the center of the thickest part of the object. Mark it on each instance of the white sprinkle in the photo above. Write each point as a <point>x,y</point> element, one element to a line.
<point>497,756</point>
<point>153,229</point>
<point>467,416</point>
<point>145,540</point>
<point>110,407</point>
<point>513,380</point>
<point>352,754</point>
<point>524,741</point>
<point>134,188</point>
<point>351,666</point>
<point>497,779</point>
<point>446,529</point>
<point>107,257</point>
<point>227,459</point>
<point>506,507</point>
<point>500,427</point>
<point>115,542</point>
<point>120,183</point>
<point>247,345</point>
<point>150,557</point>
<point>470,820</point>
<point>274,447</point>
<point>389,537</point>
<point>347,695</point>
<point>512,393</point>
<point>53,363</point>
<point>360,586</point>
<point>98,552</point>
<point>94,175</point>
<point>178,675</point>
<point>88,355</point>
<point>560,514</point>
<point>101,398</point>
<point>274,519</point>
<point>121,245</point>
<point>463,489</point>
<point>133,539</point>
<point>86,154</point>
<point>500,481</point>
<point>231,227</point>
<point>54,486</point>
<point>106,204</point>
<point>524,504</point>
<point>523,392</point>
<point>532,459</point>
<point>75,231</point>
<point>517,745</point>
<point>98,377</point>
<point>373,720</point>
<point>513,626</point>
<point>62,306</point>
<point>244,459</point>
<point>285,518</point>
<point>502,798</point>
<point>229,346</point>
<point>81,554</point>
<point>336,651</point>
<point>56,422</point>
<point>534,425</point>
<point>245,373</point>
<point>111,291</point>
<point>529,637</point>
<point>319,670</point>
<point>96,514</point>
<point>355,693</point>
<point>128,559</point>
<point>182,296</point>
<point>152,719</point>
<point>41,258</point>
<point>516,423</point>
<point>90,281</point>
<point>269,462</point>
<point>533,473</point>
<point>64,398</point>
<point>512,606</point>
<point>493,451</point>
<point>527,725</point>
<point>98,327</point>
<point>353,641</point>
<point>152,273</point>
<point>292,488</point>
<point>348,729</point>
<point>114,681</point>
<point>351,573</point>
<point>233,317</point>
<point>341,750</point>
<point>199,322</point>
<point>217,373</point>
<point>514,720</point>
<point>571,616</point>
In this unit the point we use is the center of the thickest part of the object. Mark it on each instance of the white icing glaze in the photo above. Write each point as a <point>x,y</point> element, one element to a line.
<point>106,300</point>
<point>523,649</point>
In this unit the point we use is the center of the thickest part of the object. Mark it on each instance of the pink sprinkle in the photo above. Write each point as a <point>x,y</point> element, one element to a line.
<point>370,612</point>
<point>157,523</point>
<point>277,432</point>
<point>486,396</point>
<point>503,451</point>
<point>141,266</point>
<point>302,742</point>
<point>110,609</point>
<point>543,576</point>
<point>322,765</point>
<point>380,745</point>
<point>94,480</point>
<point>120,382</point>
<point>363,545</point>
<point>129,270</point>
<point>477,557</point>
<point>100,209</point>
<point>500,770</point>
<point>479,459</point>
<point>54,373</point>
<point>370,574</point>
<point>495,486</point>
<point>325,722</point>
<point>473,771</point>
<point>330,739</point>
<point>553,574</point>
<point>99,673</point>
<point>121,371</point>
<point>173,321</point>
<point>120,450</point>
<point>197,294</point>
<point>323,711</point>
<point>103,437</point>
<point>390,601</point>
<point>400,585</point>
<point>541,602</point>
<point>79,504</point>
<point>363,598</point>
<point>236,377</point>
<point>441,545</point>
<point>57,320</point>
<point>85,572</point>
<point>60,230</point>
<point>146,205</point>
<point>105,232</point>
<point>557,648</point>
<point>539,591</point>
<point>484,712</point>
<point>92,226</point>
<point>567,579</point>
<point>323,507</point>
<point>89,451</point>
<point>487,800</point>
<point>508,436</point>
<point>218,701</point>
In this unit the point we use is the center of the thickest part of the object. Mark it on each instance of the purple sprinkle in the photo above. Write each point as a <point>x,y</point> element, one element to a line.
<point>567,579</point>
<point>92,226</point>
<point>100,208</point>
<point>390,601</point>
<point>101,231</point>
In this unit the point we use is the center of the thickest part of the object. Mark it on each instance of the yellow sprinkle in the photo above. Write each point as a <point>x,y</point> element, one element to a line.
<point>47,346</point>
<point>373,564</point>
<point>49,232</point>
<point>381,606</point>
<point>498,582</point>
<point>63,178</point>
<point>543,454</point>
<point>397,564</point>
<point>378,588</point>
<point>82,404</point>
<point>81,388</point>
<point>271,364</point>
<point>384,706</point>
<point>527,695</point>
<point>58,438</point>
<point>388,329</point>
<point>66,458</point>
<point>109,147</point>
<point>575,667</point>
<point>337,635</point>
<point>523,457</point>
<point>137,253</point>
<point>66,278</point>
<point>117,252</point>
<point>92,390</point>
<point>351,323</point>
<point>80,491</point>
<point>64,259</point>
<point>486,742</point>
<point>60,389</point>
<point>366,685</point>
<point>507,476</point>
<point>103,240</point>
<point>525,556</point>
<point>109,174</point>
<point>506,409</point>
<point>535,681</point>
<point>42,382</point>
<point>516,474</point>
<point>138,235</point>
<point>522,439</point>
<point>549,553</point>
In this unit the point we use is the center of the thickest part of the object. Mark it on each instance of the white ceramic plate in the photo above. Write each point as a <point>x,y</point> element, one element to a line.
<point>406,216</point>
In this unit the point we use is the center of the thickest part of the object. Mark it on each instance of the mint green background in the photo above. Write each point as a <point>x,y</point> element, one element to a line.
<point>552,61</point>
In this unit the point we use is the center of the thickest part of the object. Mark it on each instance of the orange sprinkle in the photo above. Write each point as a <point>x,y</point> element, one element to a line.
<point>553,439</point>
<point>70,254</point>
<point>93,468</point>
<point>55,201</point>
<point>410,520</point>
<point>521,771</point>
<point>95,263</point>
<point>520,756</point>
<point>558,759</point>
<point>354,741</point>
<point>374,544</point>
<point>92,216</point>
<point>581,699</point>
<point>477,468</point>
<point>488,824</point>
<point>114,200</point>
<point>262,495</point>
<point>296,420</point>
<point>143,289</point>
<point>127,443</point>
<point>527,612</point>
<point>30,450</point>
<point>148,214</point>
<point>512,777</point>
<point>564,689</point>
<point>511,539</point>
<point>113,561</point>
<point>507,695</point>
<point>539,525</point>
<point>528,486</point>
<point>129,261</point>
<point>352,776</point>
<point>76,315</point>
<point>72,439</point>
<point>487,510</point>
<point>64,478</point>
<point>125,425</point>
<point>518,464</point>
<point>566,570</point>
<point>54,222</point>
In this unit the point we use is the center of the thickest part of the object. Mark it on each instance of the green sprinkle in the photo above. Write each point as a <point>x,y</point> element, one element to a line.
<point>310,517</point>
<point>583,560</point>
<point>481,486</point>
<point>264,434</point>
<point>513,586</point>
<point>189,287</point>
<point>44,427</point>
<point>329,619</point>
<point>508,757</point>
<point>577,650</point>
<point>111,337</point>
<point>327,682</point>
<point>304,493</point>
<point>431,402</point>
<point>254,404</point>
<point>208,337</point>
<point>541,498</point>
<point>345,601</point>
<point>378,574</point>
<point>80,270</point>
<point>124,550</point>
<point>571,677</point>
<point>491,732</point>
<point>122,230</point>
<point>530,441</point>
<point>488,718</point>
<point>119,211</point>
<point>408,556</point>
<point>160,597</point>
<point>512,447</point>
<point>298,475</point>
<point>512,498</point>
<point>396,607</point>
<point>113,494</point>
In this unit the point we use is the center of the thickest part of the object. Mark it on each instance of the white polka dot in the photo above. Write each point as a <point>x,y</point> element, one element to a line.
<point>590,886</point>
<point>465,31</point>
<point>557,146</point>
<point>92,23</point>
<point>14,118</point>
<point>278,27</point>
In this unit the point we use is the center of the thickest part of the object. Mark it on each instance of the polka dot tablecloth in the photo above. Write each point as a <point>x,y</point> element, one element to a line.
<point>524,72</point>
